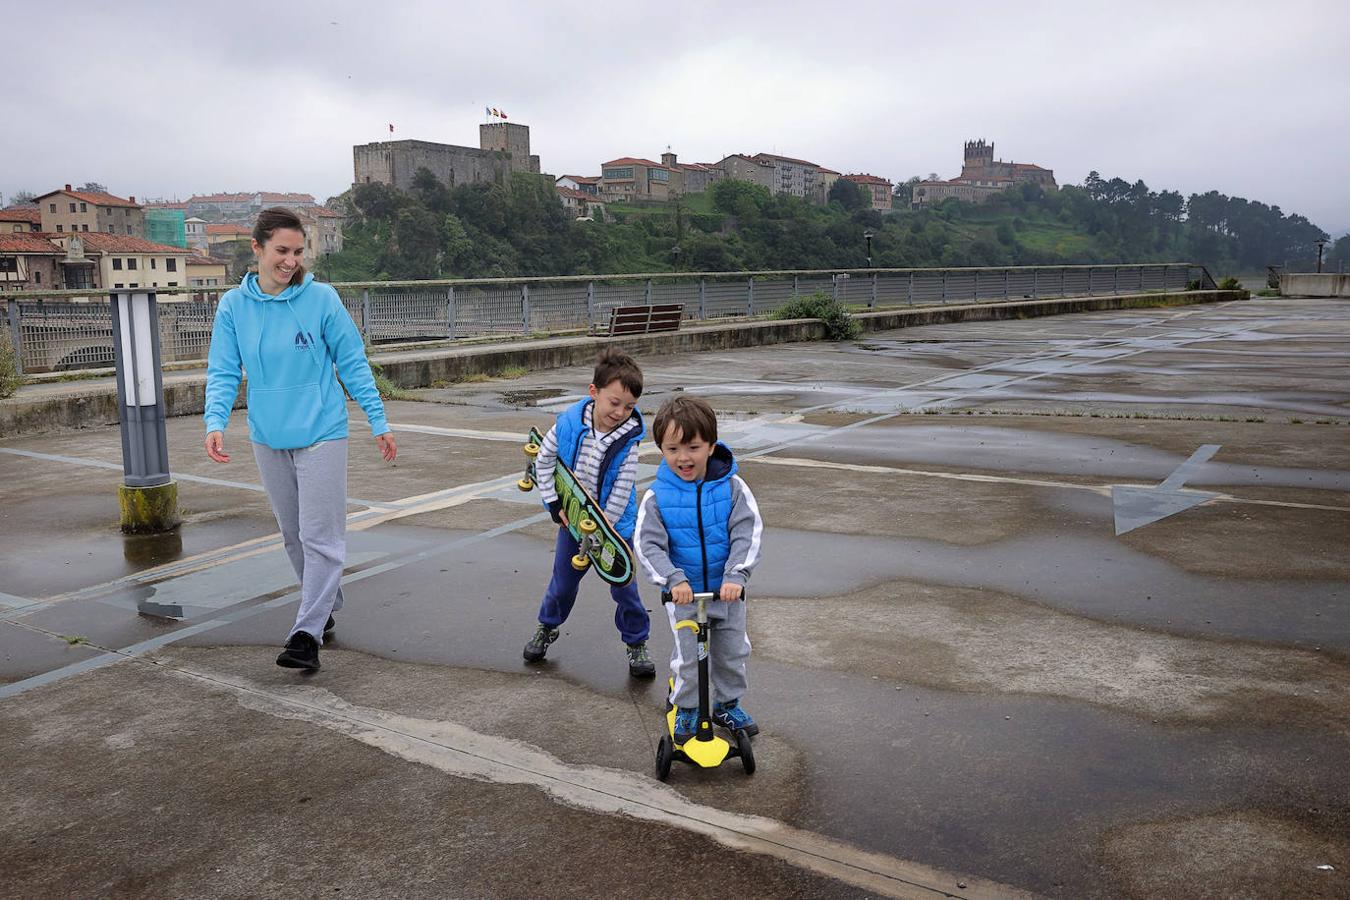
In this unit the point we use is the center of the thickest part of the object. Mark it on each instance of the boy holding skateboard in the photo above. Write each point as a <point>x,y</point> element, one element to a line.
<point>597,438</point>
<point>698,530</point>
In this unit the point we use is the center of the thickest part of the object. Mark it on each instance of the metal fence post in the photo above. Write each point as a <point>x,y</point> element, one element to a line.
<point>794,287</point>
<point>944,285</point>
<point>1062,275</point>
<point>525,307</point>
<point>1035,283</point>
<point>450,312</point>
<point>750,296</point>
<point>365,315</point>
<point>1115,280</point>
<point>16,335</point>
<point>1005,284</point>
<point>702,298</point>
<point>872,304</point>
<point>1164,284</point>
<point>1089,289</point>
<point>590,305</point>
<point>649,292</point>
<point>909,294</point>
<point>835,280</point>
<point>976,293</point>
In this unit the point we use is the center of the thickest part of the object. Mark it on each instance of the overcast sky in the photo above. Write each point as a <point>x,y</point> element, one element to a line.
<point>170,99</point>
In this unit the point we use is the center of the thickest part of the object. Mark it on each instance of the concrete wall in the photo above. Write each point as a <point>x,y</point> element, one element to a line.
<point>1313,284</point>
<point>77,406</point>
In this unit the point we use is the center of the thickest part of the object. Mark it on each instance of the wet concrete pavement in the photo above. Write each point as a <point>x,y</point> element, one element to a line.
<point>969,683</point>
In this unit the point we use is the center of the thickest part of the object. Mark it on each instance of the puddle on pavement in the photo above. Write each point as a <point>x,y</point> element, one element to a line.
<point>529,396</point>
<point>146,550</point>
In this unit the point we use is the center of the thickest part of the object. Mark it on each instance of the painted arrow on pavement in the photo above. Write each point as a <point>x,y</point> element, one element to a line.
<point>1136,507</point>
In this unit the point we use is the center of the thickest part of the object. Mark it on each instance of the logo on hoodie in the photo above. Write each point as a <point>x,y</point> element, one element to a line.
<point>303,340</point>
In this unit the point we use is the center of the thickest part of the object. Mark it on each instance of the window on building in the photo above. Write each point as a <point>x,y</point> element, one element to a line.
<point>37,278</point>
<point>72,207</point>
<point>52,207</point>
<point>117,263</point>
<point>84,208</point>
<point>119,285</point>
<point>131,264</point>
<point>9,265</point>
<point>110,229</point>
<point>84,227</point>
<point>171,265</point>
<point>78,276</point>
<point>61,228</point>
<point>173,284</point>
<point>154,263</point>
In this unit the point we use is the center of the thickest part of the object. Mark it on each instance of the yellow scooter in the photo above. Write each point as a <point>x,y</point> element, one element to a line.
<point>705,749</point>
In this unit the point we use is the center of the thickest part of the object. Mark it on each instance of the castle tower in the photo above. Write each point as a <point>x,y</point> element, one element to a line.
<point>979,155</point>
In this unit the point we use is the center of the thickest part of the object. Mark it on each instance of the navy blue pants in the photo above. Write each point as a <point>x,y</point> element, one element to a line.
<point>629,615</point>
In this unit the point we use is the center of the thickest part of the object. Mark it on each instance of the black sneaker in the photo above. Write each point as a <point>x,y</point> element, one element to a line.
<point>640,663</point>
<point>538,645</point>
<point>302,652</point>
<point>328,628</point>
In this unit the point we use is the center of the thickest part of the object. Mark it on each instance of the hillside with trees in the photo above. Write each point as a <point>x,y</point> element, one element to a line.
<point>520,227</point>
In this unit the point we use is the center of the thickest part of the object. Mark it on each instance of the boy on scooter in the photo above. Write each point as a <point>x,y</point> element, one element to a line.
<point>698,530</point>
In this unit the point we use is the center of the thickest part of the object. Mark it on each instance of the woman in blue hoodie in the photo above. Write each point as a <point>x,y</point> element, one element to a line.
<point>288,331</point>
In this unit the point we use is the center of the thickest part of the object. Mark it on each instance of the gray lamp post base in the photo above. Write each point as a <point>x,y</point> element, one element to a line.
<point>148,510</point>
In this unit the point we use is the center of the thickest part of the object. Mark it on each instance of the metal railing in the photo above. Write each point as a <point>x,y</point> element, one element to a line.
<point>69,330</point>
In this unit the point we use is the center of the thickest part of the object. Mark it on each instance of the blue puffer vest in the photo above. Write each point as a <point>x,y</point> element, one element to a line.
<point>696,514</point>
<point>571,429</point>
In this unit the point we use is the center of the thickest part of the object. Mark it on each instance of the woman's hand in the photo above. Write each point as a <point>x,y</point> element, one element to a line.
<point>388,446</point>
<point>215,446</point>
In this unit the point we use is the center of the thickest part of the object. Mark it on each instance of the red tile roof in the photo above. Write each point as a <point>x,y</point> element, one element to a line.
<point>166,205</point>
<point>220,198</point>
<point>30,214</point>
<point>196,260</point>
<point>584,179</point>
<point>828,171</point>
<point>28,243</point>
<point>633,161</point>
<point>125,243</point>
<point>273,199</point>
<point>800,162</point>
<point>576,194</point>
<point>227,229</point>
<point>94,198</point>
<point>866,179</point>
<point>322,212</point>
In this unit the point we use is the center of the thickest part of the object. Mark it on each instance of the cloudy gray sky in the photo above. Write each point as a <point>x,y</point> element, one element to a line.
<point>169,99</point>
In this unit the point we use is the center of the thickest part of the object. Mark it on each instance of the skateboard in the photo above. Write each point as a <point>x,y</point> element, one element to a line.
<point>597,541</point>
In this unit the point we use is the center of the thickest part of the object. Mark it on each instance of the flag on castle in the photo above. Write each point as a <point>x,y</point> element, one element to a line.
<point>493,111</point>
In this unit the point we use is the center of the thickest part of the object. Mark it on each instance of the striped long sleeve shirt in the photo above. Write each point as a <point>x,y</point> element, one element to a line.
<point>587,468</point>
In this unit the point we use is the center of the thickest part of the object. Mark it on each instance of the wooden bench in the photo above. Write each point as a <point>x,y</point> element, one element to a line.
<point>645,319</point>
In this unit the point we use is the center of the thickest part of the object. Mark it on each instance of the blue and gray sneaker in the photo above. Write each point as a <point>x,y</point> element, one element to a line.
<point>731,717</point>
<point>686,724</point>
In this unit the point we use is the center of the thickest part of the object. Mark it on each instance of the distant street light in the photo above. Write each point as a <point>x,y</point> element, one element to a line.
<point>1320,242</point>
<point>868,236</point>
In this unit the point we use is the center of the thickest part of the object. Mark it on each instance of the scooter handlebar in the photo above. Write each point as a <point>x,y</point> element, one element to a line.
<point>668,597</point>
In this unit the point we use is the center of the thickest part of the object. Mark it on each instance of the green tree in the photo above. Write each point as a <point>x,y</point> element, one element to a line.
<point>850,195</point>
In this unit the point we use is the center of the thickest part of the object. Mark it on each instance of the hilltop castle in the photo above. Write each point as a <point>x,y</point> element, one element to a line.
<point>981,177</point>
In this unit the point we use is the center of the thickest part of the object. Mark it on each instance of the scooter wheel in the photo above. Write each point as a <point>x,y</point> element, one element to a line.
<point>665,753</point>
<point>746,750</point>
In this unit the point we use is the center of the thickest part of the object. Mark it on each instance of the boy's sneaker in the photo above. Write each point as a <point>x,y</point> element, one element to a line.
<point>538,645</point>
<point>328,628</point>
<point>640,663</point>
<point>302,652</point>
<point>686,724</point>
<point>731,717</point>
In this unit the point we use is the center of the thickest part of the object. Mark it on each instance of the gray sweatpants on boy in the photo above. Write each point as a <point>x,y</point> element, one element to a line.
<point>308,492</point>
<point>728,645</point>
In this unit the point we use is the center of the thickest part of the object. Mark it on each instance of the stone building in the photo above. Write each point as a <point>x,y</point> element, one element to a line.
<point>504,147</point>
<point>878,188</point>
<point>981,177</point>
<point>67,211</point>
<point>634,178</point>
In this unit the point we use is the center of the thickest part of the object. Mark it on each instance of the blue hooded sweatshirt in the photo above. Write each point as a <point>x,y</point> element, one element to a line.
<point>288,345</point>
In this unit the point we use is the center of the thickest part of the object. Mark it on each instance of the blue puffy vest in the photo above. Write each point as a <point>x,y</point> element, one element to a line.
<point>696,516</point>
<point>571,428</point>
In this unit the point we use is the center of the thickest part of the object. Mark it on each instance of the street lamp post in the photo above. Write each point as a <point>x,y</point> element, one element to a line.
<point>867,235</point>
<point>1320,242</point>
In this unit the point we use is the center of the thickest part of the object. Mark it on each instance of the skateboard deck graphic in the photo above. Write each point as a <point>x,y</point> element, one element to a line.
<point>597,541</point>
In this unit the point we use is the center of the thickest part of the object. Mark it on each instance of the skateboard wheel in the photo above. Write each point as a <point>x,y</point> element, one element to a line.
<point>580,562</point>
<point>588,526</point>
<point>532,449</point>
<point>525,484</point>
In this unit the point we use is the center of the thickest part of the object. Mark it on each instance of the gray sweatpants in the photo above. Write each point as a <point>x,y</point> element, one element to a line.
<point>308,492</point>
<point>728,647</point>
